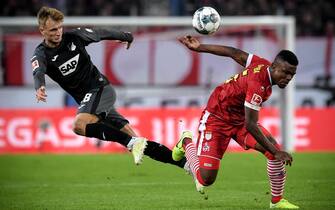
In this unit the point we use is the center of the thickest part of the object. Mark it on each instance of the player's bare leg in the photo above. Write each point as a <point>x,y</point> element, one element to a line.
<point>86,124</point>
<point>91,126</point>
<point>152,149</point>
<point>80,122</point>
<point>136,145</point>
<point>128,130</point>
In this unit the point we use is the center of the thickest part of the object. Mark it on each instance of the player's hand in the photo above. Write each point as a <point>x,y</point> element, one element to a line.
<point>190,42</point>
<point>129,37</point>
<point>127,44</point>
<point>41,94</point>
<point>284,156</point>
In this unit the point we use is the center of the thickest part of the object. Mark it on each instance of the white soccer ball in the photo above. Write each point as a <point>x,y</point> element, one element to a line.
<point>206,20</point>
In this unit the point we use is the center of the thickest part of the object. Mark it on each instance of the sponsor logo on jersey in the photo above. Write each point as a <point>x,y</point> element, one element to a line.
<point>69,66</point>
<point>256,100</point>
<point>35,64</point>
<point>208,164</point>
<point>81,106</point>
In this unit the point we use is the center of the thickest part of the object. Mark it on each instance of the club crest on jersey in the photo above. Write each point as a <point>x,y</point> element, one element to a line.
<point>256,100</point>
<point>208,135</point>
<point>73,47</point>
<point>35,65</point>
<point>206,147</point>
<point>69,66</point>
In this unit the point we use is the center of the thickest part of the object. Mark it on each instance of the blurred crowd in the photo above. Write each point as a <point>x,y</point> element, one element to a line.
<point>314,17</point>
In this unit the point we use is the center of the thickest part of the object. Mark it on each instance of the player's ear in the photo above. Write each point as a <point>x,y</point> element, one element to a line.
<point>41,29</point>
<point>274,64</point>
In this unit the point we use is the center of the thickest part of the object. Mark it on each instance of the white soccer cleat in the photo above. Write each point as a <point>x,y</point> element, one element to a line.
<point>138,148</point>
<point>187,168</point>
<point>200,188</point>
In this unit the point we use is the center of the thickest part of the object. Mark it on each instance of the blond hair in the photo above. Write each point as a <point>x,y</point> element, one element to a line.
<point>47,12</point>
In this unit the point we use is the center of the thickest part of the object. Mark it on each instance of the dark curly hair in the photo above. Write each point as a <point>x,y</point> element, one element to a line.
<point>289,56</point>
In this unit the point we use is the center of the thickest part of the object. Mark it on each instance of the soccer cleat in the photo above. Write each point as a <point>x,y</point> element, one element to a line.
<point>283,204</point>
<point>200,188</point>
<point>178,151</point>
<point>187,168</point>
<point>138,149</point>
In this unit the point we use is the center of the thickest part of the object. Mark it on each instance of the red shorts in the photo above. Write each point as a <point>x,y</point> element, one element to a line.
<point>214,137</point>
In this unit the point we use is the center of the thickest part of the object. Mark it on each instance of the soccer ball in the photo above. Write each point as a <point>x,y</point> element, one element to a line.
<point>206,20</point>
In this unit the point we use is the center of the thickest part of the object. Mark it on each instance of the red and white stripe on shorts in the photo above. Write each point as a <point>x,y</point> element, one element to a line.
<point>207,161</point>
<point>202,129</point>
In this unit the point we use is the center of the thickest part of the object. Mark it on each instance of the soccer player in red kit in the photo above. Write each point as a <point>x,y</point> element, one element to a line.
<point>232,113</point>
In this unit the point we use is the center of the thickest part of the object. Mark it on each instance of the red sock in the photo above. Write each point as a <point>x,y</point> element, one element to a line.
<point>276,199</point>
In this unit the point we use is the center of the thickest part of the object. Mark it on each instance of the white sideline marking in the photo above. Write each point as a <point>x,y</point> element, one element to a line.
<point>107,183</point>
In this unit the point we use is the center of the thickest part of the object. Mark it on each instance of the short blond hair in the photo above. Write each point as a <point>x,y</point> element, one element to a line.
<point>47,12</point>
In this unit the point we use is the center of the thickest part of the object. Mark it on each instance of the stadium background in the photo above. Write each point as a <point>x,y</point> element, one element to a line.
<point>162,77</point>
<point>159,83</point>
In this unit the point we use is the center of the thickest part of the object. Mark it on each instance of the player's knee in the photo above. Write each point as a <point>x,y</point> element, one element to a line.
<point>207,177</point>
<point>209,168</point>
<point>79,127</point>
<point>80,122</point>
<point>207,181</point>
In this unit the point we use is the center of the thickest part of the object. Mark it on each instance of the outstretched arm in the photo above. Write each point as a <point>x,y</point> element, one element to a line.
<point>123,37</point>
<point>251,119</point>
<point>193,44</point>
<point>89,35</point>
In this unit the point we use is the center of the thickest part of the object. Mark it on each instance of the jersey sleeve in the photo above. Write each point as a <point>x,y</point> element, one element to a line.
<point>38,64</point>
<point>255,96</point>
<point>255,59</point>
<point>89,35</point>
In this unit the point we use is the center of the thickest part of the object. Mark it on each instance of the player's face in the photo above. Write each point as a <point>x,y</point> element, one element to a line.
<point>52,32</point>
<point>282,73</point>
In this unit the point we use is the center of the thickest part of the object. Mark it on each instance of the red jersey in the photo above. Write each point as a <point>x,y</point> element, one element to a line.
<point>249,88</point>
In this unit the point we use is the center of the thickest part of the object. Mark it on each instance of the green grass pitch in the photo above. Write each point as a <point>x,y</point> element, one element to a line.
<point>114,182</point>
